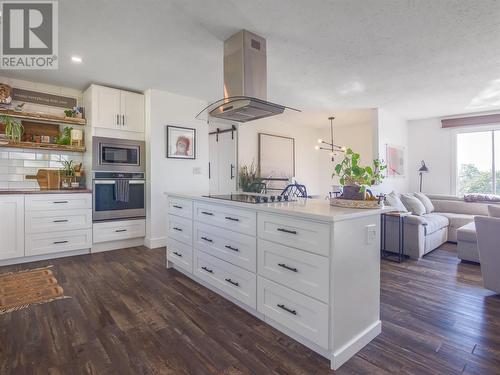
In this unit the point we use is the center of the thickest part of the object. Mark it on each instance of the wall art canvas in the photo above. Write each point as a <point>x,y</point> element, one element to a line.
<point>395,161</point>
<point>276,156</point>
<point>181,142</point>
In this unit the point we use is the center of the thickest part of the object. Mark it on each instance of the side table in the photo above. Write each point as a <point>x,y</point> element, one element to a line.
<point>400,216</point>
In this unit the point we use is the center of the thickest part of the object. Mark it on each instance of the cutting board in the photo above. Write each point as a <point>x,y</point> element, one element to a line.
<point>48,179</point>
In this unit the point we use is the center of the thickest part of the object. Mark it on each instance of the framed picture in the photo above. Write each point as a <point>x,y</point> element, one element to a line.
<point>181,142</point>
<point>276,156</point>
<point>395,156</point>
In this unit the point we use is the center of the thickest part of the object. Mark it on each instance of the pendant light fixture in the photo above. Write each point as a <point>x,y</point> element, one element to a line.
<point>330,146</point>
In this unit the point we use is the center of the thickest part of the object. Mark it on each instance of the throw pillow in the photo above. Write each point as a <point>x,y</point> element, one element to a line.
<point>393,200</point>
<point>413,205</point>
<point>494,210</point>
<point>429,207</point>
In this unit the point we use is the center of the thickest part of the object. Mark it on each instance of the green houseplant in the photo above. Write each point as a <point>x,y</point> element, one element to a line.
<point>355,178</point>
<point>248,179</point>
<point>14,129</point>
<point>65,137</point>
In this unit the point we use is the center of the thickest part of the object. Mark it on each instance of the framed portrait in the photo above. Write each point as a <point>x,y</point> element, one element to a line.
<point>181,142</point>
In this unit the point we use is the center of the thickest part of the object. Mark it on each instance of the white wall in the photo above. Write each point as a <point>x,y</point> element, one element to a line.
<point>171,175</point>
<point>392,130</point>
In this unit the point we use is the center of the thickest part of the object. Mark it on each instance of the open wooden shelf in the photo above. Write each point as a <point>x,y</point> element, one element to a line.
<point>51,119</point>
<point>44,146</point>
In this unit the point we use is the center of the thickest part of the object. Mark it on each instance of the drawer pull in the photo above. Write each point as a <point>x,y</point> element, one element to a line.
<point>286,230</point>
<point>120,230</point>
<point>59,242</point>
<point>177,229</point>
<point>207,213</point>
<point>231,248</point>
<point>175,206</point>
<point>207,269</point>
<point>206,239</point>
<point>294,312</point>
<point>231,218</point>
<point>60,202</point>
<point>288,267</point>
<point>176,253</point>
<point>232,282</point>
<point>60,221</point>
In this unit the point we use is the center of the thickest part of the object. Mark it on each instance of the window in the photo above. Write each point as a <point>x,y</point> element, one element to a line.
<point>478,162</point>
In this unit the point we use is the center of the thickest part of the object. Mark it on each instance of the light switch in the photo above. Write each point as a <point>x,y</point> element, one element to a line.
<point>196,170</point>
<point>370,233</point>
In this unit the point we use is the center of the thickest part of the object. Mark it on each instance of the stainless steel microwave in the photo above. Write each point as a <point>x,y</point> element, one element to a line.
<point>117,155</point>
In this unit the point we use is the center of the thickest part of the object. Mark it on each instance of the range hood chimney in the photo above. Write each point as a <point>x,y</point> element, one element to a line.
<point>245,82</point>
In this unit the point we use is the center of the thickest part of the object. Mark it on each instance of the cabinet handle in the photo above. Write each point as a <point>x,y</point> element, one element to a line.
<point>56,202</point>
<point>206,239</point>
<point>288,267</point>
<point>286,230</point>
<point>176,253</point>
<point>232,282</point>
<point>232,171</point>
<point>177,229</point>
<point>207,269</point>
<point>123,119</point>
<point>174,206</point>
<point>60,221</point>
<point>294,312</point>
<point>231,248</point>
<point>117,119</point>
<point>231,218</point>
<point>120,230</point>
<point>59,242</point>
<point>207,213</point>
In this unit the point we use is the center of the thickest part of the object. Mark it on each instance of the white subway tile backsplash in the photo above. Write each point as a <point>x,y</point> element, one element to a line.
<point>37,163</point>
<point>22,155</point>
<point>55,164</point>
<point>27,184</point>
<point>11,177</point>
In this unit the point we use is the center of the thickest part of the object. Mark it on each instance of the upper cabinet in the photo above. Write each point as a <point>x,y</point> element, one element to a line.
<point>115,109</point>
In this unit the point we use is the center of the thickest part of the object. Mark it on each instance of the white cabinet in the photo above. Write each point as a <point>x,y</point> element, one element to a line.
<point>11,226</point>
<point>115,109</point>
<point>119,230</point>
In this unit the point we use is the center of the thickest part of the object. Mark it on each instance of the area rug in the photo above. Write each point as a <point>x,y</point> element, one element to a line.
<point>21,289</point>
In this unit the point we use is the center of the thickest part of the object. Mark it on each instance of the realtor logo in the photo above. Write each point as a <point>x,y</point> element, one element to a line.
<point>29,35</point>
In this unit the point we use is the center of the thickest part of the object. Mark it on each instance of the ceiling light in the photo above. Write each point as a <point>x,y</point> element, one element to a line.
<point>76,59</point>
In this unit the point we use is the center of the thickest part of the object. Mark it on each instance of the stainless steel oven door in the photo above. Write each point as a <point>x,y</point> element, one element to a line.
<point>121,155</point>
<point>105,206</point>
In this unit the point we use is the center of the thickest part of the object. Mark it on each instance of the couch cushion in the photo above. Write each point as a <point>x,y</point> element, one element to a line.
<point>467,233</point>
<point>429,207</point>
<point>457,220</point>
<point>494,210</point>
<point>435,222</point>
<point>413,205</point>
<point>393,200</point>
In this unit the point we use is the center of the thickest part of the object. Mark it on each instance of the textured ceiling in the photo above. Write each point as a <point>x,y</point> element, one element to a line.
<point>419,58</point>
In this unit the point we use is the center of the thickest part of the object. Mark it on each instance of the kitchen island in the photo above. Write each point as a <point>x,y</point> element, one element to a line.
<point>309,269</point>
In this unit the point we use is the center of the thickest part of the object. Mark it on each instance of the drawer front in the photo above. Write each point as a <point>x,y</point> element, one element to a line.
<point>54,221</point>
<point>68,201</point>
<point>235,248</point>
<point>306,235</point>
<point>304,272</point>
<point>303,315</point>
<point>233,219</point>
<point>180,229</point>
<point>235,281</point>
<point>56,242</point>
<point>119,230</point>
<point>180,254</point>
<point>180,207</point>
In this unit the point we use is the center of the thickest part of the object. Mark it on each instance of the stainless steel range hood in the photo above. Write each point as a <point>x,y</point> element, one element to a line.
<point>245,82</point>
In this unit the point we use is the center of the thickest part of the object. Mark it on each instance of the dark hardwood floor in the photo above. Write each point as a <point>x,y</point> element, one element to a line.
<point>129,315</point>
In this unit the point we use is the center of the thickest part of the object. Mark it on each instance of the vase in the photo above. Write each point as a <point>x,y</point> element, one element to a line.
<point>352,192</point>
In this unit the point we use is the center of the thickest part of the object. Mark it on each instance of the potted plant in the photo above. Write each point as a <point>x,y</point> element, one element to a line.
<point>355,178</point>
<point>14,129</point>
<point>68,172</point>
<point>249,181</point>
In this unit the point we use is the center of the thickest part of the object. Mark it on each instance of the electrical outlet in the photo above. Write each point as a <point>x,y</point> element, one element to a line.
<point>370,233</point>
<point>196,170</point>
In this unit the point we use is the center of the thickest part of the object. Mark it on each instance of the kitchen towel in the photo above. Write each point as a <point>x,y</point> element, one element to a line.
<point>122,190</point>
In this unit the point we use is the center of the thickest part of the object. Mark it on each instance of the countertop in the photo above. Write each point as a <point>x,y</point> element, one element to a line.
<point>40,191</point>
<point>315,209</point>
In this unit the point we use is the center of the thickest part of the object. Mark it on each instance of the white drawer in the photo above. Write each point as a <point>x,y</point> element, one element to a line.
<point>234,219</point>
<point>58,220</point>
<point>307,235</point>
<point>180,229</point>
<point>303,315</point>
<point>304,272</point>
<point>56,242</point>
<point>119,230</point>
<point>235,248</point>
<point>68,201</point>
<point>180,207</point>
<point>180,254</point>
<point>233,280</point>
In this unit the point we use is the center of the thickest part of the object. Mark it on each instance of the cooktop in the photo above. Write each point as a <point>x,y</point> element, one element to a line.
<point>254,199</point>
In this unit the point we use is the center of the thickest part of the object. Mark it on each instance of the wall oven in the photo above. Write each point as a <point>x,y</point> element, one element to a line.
<point>117,155</point>
<point>118,195</point>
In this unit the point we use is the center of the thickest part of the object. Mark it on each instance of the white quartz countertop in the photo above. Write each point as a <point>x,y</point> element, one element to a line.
<point>315,209</point>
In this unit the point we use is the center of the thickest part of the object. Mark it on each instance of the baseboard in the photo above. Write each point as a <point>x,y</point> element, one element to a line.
<point>36,258</point>
<point>115,245</point>
<point>154,243</point>
<point>344,353</point>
